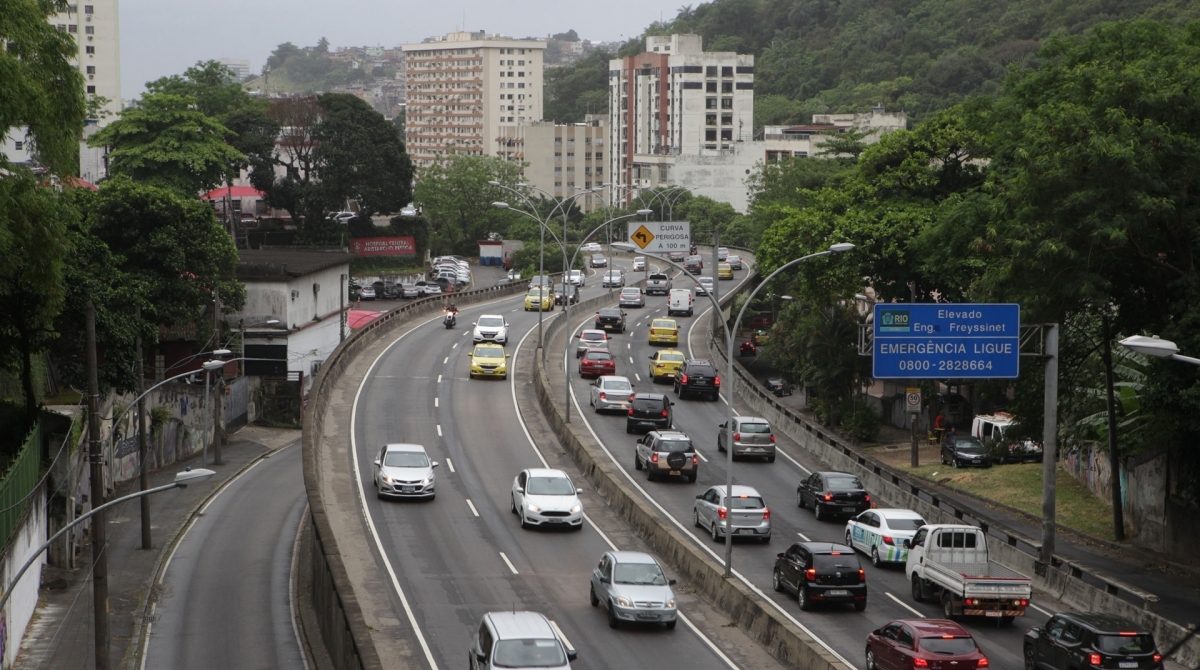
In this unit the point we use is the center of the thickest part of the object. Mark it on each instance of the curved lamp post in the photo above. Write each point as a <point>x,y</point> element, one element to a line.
<point>833,249</point>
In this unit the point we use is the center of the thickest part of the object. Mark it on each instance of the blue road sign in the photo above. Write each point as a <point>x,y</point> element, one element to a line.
<point>946,341</point>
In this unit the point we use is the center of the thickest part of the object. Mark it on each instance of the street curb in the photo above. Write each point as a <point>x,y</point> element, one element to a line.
<point>135,651</point>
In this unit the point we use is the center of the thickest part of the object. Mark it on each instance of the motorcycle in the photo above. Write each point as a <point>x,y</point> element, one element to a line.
<point>450,320</point>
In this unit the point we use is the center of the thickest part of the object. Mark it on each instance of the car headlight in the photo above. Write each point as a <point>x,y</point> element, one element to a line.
<point>532,508</point>
<point>671,603</point>
<point>575,509</point>
<point>624,602</point>
<point>387,480</point>
<point>427,480</point>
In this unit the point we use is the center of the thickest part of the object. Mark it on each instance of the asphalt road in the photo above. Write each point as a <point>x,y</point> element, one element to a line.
<point>227,599</point>
<point>841,628</point>
<point>462,554</point>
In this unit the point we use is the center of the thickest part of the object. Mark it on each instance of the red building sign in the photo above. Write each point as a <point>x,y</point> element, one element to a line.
<point>384,246</point>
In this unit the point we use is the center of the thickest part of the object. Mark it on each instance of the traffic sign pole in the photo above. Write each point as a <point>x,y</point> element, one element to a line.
<point>912,400</point>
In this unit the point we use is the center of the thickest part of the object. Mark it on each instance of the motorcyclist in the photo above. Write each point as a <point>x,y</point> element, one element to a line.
<point>451,315</point>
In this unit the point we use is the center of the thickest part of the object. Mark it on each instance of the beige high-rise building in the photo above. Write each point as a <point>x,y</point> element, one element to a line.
<point>561,159</point>
<point>462,89</point>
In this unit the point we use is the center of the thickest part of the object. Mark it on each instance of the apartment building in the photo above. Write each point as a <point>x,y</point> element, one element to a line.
<point>464,88</point>
<point>805,140</point>
<point>561,159</point>
<point>675,99</point>
<point>239,66</point>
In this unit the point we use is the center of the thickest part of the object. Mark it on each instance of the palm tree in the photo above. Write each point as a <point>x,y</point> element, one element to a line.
<point>685,13</point>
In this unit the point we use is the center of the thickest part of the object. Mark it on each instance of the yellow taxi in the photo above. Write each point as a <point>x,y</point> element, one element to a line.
<point>664,331</point>
<point>539,298</point>
<point>488,360</point>
<point>724,271</point>
<point>665,364</point>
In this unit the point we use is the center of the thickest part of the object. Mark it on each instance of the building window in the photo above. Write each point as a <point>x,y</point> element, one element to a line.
<point>87,9</point>
<point>710,120</point>
<point>710,103</point>
<point>710,135</point>
<point>587,156</point>
<point>90,50</point>
<point>521,73</point>
<point>72,28</point>
<point>727,119</point>
<point>599,171</point>
<point>727,71</point>
<point>726,103</point>
<point>726,134</point>
<point>89,30</point>
<point>710,87</point>
<point>520,62</point>
<point>710,71</point>
<point>91,69</point>
<point>727,87</point>
<point>91,89</point>
<point>18,145</point>
<point>599,155</point>
<point>520,85</point>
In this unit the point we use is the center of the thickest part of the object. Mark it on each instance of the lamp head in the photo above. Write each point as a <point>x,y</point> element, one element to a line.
<point>1150,346</point>
<point>221,352</point>
<point>840,247</point>
<point>271,322</point>
<point>500,205</point>
<point>212,365</point>
<point>190,476</point>
<point>645,212</point>
<point>494,183</point>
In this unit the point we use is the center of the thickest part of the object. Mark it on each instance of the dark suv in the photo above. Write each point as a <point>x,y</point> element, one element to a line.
<point>1090,640</point>
<point>649,411</point>
<point>821,572</point>
<point>610,319</point>
<point>698,376</point>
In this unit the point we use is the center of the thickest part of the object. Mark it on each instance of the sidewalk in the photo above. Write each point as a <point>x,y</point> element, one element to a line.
<point>60,635</point>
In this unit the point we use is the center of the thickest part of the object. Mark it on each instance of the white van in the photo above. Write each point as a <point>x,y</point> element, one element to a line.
<point>991,428</point>
<point>679,301</point>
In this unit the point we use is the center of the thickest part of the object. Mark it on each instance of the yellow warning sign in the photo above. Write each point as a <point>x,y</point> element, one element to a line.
<point>642,237</point>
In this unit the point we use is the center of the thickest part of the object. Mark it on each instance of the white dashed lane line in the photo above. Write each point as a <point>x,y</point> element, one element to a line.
<point>439,430</point>
<point>472,506</point>
<point>450,464</point>
<point>509,564</point>
<point>902,604</point>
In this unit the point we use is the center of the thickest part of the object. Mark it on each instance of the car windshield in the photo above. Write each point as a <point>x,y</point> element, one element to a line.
<point>528,654</point>
<point>537,292</point>
<point>659,323</point>
<point>599,356</point>
<point>746,502</point>
<point>675,445</point>
<point>405,459</point>
<point>489,352</point>
<point>706,280</point>
<point>755,428</point>
<point>904,523</point>
<point>844,482</point>
<point>1125,644</point>
<point>969,445</point>
<point>617,385</point>
<point>639,573</point>
<point>671,358</point>
<point>491,321</point>
<point>549,486</point>
<point>949,646</point>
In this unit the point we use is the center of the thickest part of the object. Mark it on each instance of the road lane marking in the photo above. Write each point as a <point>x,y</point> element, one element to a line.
<point>637,376</point>
<point>439,427</point>
<point>1041,610</point>
<point>508,562</point>
<point>631,360</point>
<point>445,360</point>
<point>439,381</point>
<point>629,345</point>
<point>803,537</point>
<point>472,506</point>
<point>450,464</point>
<point>702,457</point>
<point>455,346</point>
<point>903,604</point>
<point>561,637</point>
<point>435,402</point>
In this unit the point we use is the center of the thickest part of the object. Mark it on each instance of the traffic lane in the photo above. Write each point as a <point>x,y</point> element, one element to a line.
<point>227,600</point>
<point>459,572</point>
<point>887,589</point>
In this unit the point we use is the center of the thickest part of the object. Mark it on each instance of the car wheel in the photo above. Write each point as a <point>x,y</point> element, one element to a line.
<point>875,557</point>
<point>696,519</point>
<point>512,505</point>
<point>1030,659</point>
<point>954,462</point>
<point>799,500</point>
<point>948,607</point>
<point>766,539</point>
<point>860,606</point>
<point>628,429</point>
<point>720,447</point>
<point>817,513</point>
<point>771,458</point>
<point>637,462</point>
<point>777,581</point>
<point>671,624</point>
<point>848,544</point>
<point>715,535</point>
<point>592,596</point>
<point>691,478</point>
<point>591,401</point>
<point>524,524</point>
<point>613,622</point>
<point>802,598</point>
<point>649,473</point>
<point>918,594</point>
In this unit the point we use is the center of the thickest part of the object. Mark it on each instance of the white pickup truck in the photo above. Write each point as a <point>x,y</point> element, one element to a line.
<point>950,563</point>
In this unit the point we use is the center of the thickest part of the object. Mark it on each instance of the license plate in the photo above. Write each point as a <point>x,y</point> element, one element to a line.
<point>645,423</point>
<point>1127,664</point>
<point>554,520</point>
<point>848,509</point>
<point>837,592</point>
<point>408,489</point>
<point>743,531</point>
<point>675,472</point>
<point>701,383</point>
<point>975,460</point>
<point>993,613</point>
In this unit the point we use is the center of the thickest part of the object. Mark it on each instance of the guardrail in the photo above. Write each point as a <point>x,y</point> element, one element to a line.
<point>339,616</point>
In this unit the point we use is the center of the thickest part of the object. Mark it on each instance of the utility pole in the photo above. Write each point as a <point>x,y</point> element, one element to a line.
<point>96,459</point>
<point>341,314</point>
<point>218,434</point>
<point>1049,445</point>
<point>143,442</point>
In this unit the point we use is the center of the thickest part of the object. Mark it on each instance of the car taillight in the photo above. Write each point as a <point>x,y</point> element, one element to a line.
<point>1158,658</point>
<point>737,437</point>
<point>602,396</point>
<point>695,460</point>
<point>920,663</point>
<point>862,575</point>
<point>888,540</point>
<point>867,498</point>
<point>767,514</point>
<point>630,409</point>
<point>1022,602</point>
<point>683,379</point>
<point>631,398</point>
<point>827,497</point>
<point>971,601</point>
<point>983,663</point>
<point>811,574</point>
<point>1094,659</point>
<point>664,413</point>
<point>721,512</point>
<point>717,380</point>
<point>654,457</point>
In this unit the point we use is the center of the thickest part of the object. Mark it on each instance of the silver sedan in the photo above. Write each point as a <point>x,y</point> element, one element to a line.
<point>750,516</point>
<point>633,588</point>
<point>611,392</point>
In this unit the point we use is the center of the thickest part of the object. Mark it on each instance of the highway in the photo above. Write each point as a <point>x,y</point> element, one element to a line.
<point>843,630</point>
<point>462,554</point>
<point>227,600</point>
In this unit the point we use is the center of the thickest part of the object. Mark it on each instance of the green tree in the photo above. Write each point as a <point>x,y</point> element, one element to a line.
<point>166,141</point>
<point>574,91</point>
<point>457,199</point>
<point>282,54</point>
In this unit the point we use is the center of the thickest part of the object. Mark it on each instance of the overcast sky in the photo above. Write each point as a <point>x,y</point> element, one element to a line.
<point>164,37</point>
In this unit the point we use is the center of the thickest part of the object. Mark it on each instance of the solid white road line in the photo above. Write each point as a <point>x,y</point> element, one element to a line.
<point>450,464</point>
<point>292,602</point>
<point>701,456</point>
<point>472,506</point>
<point>517,408</point>
<point>509,564</point>
<point>637,376</point>
<point>904,605</point>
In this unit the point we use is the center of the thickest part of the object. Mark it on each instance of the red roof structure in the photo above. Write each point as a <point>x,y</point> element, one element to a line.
<point>233,192</point>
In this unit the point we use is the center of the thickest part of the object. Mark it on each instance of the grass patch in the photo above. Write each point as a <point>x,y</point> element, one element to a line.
<point>1020,486</point>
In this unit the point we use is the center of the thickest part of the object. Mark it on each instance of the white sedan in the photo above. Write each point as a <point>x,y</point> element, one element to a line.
<point>880,533</point>
<point>639,263</point>
<point>543,497</point>
<point>591,248</point>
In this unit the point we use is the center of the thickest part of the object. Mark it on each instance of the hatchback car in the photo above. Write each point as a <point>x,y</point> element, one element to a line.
<point>540,298</point>
<point>779,386</point>
<point>633,588</point>
<point>745,511</point>
<point>611,392</point>
<point>591,339</point>
<point>631,297</point>
<point>748,348</point>
<point>752,436</point>
<point>544,497</point>
<point>488,360</point>
<point>664,331</point>
<point>666,453</point>
<point>598,261</point>
<point>564,294</point>
<point>612,279</point>
<point>591,248</point>
<point>404,471</point>
<point>1103,640</point>
<point>833,494</point>
<point>576,277</point>
<point>518,640</point>
<point>705,286</point>
<point>821,572</point>
<point>639,263</point>
<point>596,362</point>
<point>649,411</point>
<point>880,533</point>
<point>490,328</point>
<point>961,451</point>
<point>698,377</point>
<point>367,293</point>
<point>724,271</point>
<point>923,643</point>
<point>665,364</point>
<point>428,288</point>
<point>735,262</point>
<point>409,291</point>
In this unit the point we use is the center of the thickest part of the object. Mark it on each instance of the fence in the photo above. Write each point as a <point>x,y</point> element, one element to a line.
<point>19,482</point>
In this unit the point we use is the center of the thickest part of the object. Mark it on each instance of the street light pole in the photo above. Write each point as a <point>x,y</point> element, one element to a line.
<point>96,459</point>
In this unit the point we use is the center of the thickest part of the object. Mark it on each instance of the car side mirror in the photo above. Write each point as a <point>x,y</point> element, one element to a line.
<point>650,357</point>
<point>508,355</point>
<point>877,631</point>
<point>699,496</point>
<point>779,555</point>
<point>572,655</point>
<point>433,464</point>
<point>597,312</point>
<point>670,582</point>
<point>672,403</point>
<point>470,355</point>
<point>908,544</point>
<point>520,489</point>
<point>722,425</point>
<point>481,657</point>
<point>605,580</point>
<point>376,461</point>
<point>578,491</point>
<point>474,323</point>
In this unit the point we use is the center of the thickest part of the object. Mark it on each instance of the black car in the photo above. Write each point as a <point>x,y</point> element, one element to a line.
<point>649,411</point>
<point>779,386</point>
<point>694,265</point>
<point>962,451</point>
<point>610,319</point>
<point>1090,640</point>
<point>698,376</point>
<point>675,256</point>
<point>833,494</point>
<point>821,572</point>
<point>563,294</point>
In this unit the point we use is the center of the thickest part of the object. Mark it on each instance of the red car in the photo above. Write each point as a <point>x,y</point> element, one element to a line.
<point>761,321</point>
<point>937,644</point>
<point>596,362</point>
<point>748,348</point>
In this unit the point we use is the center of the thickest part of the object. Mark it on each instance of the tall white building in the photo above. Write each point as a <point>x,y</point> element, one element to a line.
<point>463,88</point>
<point>673,100</point>
<point>239,66</point>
